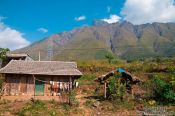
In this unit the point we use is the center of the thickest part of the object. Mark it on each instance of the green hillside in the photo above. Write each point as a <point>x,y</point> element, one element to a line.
<point>123,39</point>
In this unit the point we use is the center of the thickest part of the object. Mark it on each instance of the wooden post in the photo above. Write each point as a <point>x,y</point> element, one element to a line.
<point>105,90</point>
<point>70,82</point>
<point>132,92</point>
<point>34,86</point>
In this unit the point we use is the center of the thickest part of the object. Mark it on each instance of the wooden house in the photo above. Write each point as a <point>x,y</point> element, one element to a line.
<point>39,78</point>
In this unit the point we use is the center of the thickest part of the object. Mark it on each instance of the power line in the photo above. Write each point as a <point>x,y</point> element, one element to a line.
<point>77,49</point>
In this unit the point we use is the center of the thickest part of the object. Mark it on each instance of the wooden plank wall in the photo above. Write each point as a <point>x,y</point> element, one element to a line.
<point>24,84</point>
<point>19,85</point>
<point>30,85</point>
<point>7,85</point>
<point>47,86</point>
<point>14,85</point>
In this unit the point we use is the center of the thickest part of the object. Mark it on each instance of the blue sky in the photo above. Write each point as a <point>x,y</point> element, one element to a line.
<point>23,22</point>
<point>27,16</point>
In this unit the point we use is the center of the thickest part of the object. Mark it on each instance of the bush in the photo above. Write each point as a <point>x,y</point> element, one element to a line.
<point>36,107</point>
<point>117,90</point>
<point>89,103</point>
<point>171,70</point>
<point>72,98</point>
<point>163,91</point>
<point>87,79</point>
<point>109,57</point>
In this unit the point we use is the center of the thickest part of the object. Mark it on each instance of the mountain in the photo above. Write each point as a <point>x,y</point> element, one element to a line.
<point>122,39</point>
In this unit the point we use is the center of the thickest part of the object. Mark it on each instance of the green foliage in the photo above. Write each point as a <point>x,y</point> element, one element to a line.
<point>66,107</point>
<point>109,57</point>
<point>163,91</point>
<point>35,108</point>
<point>3,52</point>
<point>87,79</point>
<point>171,70</point>
<point>1,83</point>
<point>72,98</point>
<point>117,90</point>
<point>4,106</point>
<point>38,108</point>
<point>89,103</point>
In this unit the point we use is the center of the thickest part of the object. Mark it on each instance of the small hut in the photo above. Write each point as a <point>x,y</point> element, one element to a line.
<point>39,78</point>
<point>126,77</point>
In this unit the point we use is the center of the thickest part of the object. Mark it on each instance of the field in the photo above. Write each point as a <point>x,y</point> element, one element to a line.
<point>158,84</point>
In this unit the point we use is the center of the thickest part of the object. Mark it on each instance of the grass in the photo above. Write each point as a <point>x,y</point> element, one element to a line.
<point>47,108</point>
<point>4,106</point>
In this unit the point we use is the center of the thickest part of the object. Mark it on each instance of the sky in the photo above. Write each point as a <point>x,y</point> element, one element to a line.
<point>23,22</point>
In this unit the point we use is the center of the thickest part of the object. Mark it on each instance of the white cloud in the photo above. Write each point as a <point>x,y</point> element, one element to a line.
<point>148,11</point>
<point>43,30</point>
<point>112,19</point>
<point>11,38</point>
<point>80,18</point>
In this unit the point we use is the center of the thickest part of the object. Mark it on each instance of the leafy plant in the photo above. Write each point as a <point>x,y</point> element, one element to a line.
<point>163,91</point>
<point>110,57</point>
<point>3,58</point>
<point>72,98</point>
<point>36,107</point>
<point>117,90</point>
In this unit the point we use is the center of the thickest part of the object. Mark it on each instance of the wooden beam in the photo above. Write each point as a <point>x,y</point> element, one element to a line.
<point>105,89</point>
<point>70,82</point>
<point>34,86</point>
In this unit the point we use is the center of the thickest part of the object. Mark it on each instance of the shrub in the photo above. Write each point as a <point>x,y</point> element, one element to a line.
<point>89,103</point>
<point>72,98</point>
<point>171,70</point>
<point>36,107</point>
<point>117,90</point>
<point>163,91</point>
<point>109,57</point>
<point>87,79</point>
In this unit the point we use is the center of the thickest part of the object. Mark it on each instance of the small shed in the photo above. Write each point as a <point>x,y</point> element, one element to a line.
<point>39,78</point>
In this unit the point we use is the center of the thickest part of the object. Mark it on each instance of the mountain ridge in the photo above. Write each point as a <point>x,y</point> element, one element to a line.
<point>122,39</point>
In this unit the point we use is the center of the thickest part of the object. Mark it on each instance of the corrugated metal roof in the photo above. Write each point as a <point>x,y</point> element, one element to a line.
<point>41,68</point>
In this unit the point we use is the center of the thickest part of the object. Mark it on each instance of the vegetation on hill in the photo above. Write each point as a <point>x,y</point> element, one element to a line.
<point>123,40</point>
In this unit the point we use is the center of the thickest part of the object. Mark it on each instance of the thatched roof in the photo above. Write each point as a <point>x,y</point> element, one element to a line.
<point>105,77</point>
<point>41,68</point>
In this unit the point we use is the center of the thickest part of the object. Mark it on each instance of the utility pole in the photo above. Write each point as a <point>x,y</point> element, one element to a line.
<point>39,56</point>
<point>50,50</point>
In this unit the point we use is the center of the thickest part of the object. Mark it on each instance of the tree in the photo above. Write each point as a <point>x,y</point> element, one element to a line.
<point>3,52</point>
<point>110,57</point>
<point>3,58</point>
